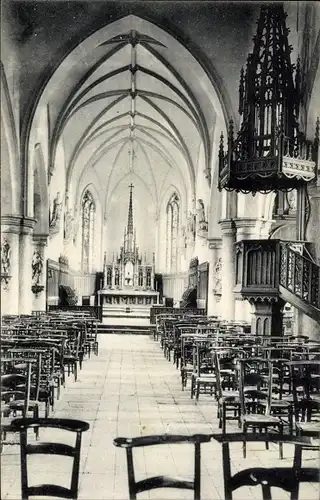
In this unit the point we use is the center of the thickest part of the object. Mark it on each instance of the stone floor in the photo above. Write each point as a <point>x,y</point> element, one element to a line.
<point>131,390</point>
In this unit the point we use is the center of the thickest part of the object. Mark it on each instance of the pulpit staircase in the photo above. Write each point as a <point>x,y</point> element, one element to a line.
<point>299,282</point>
<point>270,273</point>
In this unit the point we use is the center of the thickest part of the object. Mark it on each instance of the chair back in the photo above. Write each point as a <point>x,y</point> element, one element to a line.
<point>251,383</point>
<point>151,483</point>
<point>77,426</point>
<point>286,478</point>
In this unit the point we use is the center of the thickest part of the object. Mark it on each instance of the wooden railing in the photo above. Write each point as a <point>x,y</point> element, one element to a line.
<point>262,266</point>
<point>299,275</point>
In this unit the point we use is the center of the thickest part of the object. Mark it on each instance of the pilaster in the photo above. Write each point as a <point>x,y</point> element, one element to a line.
<point>39,272</point>
<point>228,231</point>
<point>16,246</point>
<point>215,275</point>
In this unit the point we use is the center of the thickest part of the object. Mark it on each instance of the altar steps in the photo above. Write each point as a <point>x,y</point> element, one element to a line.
<point>125,329</point>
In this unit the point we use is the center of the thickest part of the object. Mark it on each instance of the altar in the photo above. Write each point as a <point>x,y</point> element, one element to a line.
<point>127,306</point>
<point>128,291</point>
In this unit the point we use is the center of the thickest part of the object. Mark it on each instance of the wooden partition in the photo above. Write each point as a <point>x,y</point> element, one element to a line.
<point>93,311</point>
<point>58,273</point>
<point>202,287</point>
<point>154,311</point>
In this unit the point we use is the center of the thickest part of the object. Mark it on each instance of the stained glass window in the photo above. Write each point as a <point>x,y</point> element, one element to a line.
<point>172,239</point>
<point>88,215</point>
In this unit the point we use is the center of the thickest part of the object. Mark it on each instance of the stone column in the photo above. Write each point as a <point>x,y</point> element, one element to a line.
<point>10,270</point>
<point>39,272</point>
<point>228,269</point>
<point>25,259</point>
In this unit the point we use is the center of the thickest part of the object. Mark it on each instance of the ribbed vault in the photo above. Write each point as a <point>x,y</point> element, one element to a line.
<point>130,102</point>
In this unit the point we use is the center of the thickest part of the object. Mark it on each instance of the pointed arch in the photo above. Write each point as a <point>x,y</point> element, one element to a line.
<point>40,193</point>
<point>173,217</point>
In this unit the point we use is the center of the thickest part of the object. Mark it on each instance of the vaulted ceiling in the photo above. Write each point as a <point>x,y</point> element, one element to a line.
<point>127,111</point>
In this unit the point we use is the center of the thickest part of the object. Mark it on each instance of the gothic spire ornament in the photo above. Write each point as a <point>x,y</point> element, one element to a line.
<point>269,152</point>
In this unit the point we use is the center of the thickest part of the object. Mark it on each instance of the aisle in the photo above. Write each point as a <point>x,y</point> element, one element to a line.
<point>131,390</point>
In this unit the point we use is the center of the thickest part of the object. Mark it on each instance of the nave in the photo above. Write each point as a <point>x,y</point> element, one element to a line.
<point>131,389</point>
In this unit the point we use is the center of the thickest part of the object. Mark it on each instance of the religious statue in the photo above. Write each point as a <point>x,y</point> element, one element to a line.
<point>37,266</point>
<point>191,227</point>
<point>68,225</point>
<point>201,216</point>
<point>217,286</point>
<point>292,200</point>
<point>5,257</point>
<point>54,222</point>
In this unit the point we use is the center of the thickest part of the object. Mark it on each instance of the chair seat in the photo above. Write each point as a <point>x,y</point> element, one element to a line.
<point>277,403</point>
<point>230,397</point>
<point>308,427</point>
<point>6,424</point>
<point>206,379</point>
<point>260,419</point>
<point>234,400</point>
<point>226,371</point>
<point>19,403</point>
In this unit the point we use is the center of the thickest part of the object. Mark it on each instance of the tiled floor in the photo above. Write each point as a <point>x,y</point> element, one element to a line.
<point>131,390</point>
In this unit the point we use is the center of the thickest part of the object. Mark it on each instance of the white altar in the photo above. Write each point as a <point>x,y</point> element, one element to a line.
<point>128,292</point>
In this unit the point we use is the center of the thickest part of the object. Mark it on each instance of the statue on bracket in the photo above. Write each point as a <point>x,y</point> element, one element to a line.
<point>5,257</point>
<point>202,223</point>
<point>217,271</point>
<point>191,226</point>
<point>68,225</point>
<point>5,263</point>
<point>54,221</point>
<point>37,266</point>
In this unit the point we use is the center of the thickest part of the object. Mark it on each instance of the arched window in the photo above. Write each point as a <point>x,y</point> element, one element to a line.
<point>172,239</point>
<point>88,211</point>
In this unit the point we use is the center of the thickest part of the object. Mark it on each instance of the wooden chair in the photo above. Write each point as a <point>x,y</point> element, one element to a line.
<point>151,483</point>
<point>255,389</point>
<point>10,395</point>
<point>228,401</point>
<point>203,377</point>
<point>286,478</point>
<point>53,490</point>
<point>305,375</point>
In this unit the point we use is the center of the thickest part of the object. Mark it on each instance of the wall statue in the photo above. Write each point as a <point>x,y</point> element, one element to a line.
<point>202,223</point>
<point>54,222</point>
<point>5,257</point>
<point>217,272</point>
<point>37,266</point>
<point>191,226</point>
<point>68,225</point>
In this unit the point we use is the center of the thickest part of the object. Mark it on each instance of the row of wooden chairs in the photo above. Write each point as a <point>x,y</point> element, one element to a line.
<point>260,382</point>
<point>38,352</point>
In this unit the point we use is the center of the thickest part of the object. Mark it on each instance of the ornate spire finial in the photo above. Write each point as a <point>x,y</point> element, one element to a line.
<point>130,212</point>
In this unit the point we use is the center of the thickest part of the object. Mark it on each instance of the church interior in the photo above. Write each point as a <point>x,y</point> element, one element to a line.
<point>160,258</point>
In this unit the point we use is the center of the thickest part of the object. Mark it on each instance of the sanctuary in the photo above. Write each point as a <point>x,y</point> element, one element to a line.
<point>128,290</point>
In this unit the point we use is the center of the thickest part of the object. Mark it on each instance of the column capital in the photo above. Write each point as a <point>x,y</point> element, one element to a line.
<point>17,224</point>
<point>246,221</point>
<point>214,243</point>
<point>40,239</point>
<point>228,227</point>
